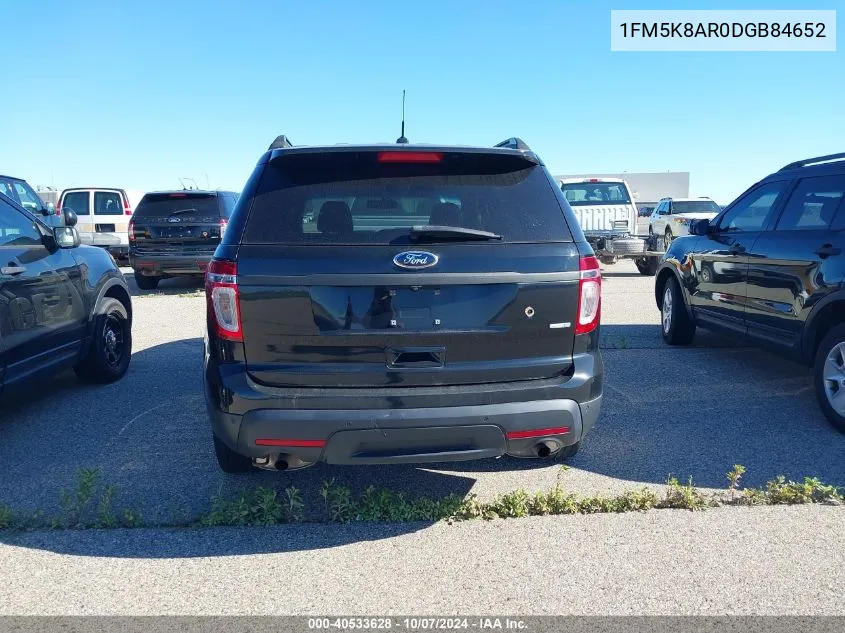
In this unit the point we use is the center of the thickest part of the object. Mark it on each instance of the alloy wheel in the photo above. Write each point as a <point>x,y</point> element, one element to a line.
<point>667,308</point>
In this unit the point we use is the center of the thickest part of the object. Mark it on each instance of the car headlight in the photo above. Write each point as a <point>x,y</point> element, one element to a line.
<point>682,220</point>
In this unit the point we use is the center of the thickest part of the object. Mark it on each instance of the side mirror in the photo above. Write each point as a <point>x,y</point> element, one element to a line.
<point>700,227</point>
<point>66,236</point>
<point>70,217</point>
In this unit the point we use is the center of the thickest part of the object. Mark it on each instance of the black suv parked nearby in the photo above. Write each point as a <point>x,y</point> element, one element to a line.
<point>62,305</point>
<point>174,233</point>
<point>770,267</point>
<point>18,190</point>
<point>401,304</point>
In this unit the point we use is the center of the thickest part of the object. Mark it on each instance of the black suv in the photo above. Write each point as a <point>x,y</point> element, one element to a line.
<point>174,233</point>
<point>61,304</point>
<point>18,190</point>
<point>770,267</point>
<point>401,304</point>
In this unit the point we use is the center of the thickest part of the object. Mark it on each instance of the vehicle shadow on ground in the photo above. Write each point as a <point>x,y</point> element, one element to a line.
<point>188,286</point>
<point>149,437</point>
<point>689,412</point>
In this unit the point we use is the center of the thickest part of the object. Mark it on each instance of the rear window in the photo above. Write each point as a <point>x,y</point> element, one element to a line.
<point>695,206</point>
<point>77,201</point>
<point>188,206</point>
<point>585,193</point>
<point>352,198</point>
<point>107,203</point>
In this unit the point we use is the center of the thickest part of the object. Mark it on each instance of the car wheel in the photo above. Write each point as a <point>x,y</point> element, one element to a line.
<point>145,282</point>
<point>647,265</point>
<point>110,351</point>
<point>229,461</point>
<point>829,377</point>
<point>706,274</point>
<point>675,323</point>
<point>667,239</point>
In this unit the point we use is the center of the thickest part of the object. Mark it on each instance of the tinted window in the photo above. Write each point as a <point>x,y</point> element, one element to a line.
<point>188,207</point>
<point>77,201</point>
<point>29,199</point>
<point>16,229</point>
<point>351,198</point>
<point>663,208</point>
<point>107,203</point>
<point>584,193</point>
<point>6,190</point>
<point>752,211</point>
<point>228,200</point>
<point>695,206</point>
<point>812,204</point>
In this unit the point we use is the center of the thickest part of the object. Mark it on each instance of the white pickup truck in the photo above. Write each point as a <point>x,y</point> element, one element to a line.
<point>608,217</point>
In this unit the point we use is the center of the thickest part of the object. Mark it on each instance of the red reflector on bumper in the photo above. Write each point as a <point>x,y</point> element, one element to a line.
<point>294,443</point>
<point>521,435</point>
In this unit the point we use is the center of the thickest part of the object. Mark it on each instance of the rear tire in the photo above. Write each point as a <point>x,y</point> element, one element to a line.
<point>675,323</point>
<point>668,239</point>
<point>229,461</point>
<point>647,265</point>
<point>110,351</point>
<point>829,376</point>
<point>145,282</point>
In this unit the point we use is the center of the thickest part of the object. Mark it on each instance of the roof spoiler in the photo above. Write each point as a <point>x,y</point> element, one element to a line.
<point>281,142</point>
<point>813,161</point>
<point>514,143</point>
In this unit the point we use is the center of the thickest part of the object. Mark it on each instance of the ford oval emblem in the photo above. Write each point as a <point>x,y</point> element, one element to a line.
<point>415,259</point>
<point>174,219</point>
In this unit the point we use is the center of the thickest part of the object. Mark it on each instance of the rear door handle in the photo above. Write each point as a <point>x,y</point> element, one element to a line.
<point>12,270</point>
<point>827,250</point>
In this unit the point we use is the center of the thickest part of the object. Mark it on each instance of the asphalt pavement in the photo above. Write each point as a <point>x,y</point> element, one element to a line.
<point>727,561</point>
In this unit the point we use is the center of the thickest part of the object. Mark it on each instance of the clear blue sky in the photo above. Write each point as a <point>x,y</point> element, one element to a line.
<point>137,94</point>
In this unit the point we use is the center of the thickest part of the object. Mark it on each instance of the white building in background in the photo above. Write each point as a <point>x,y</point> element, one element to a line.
<point>648,188</point>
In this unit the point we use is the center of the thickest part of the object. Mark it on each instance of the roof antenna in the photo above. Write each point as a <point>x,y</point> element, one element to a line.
<point>402,138</point>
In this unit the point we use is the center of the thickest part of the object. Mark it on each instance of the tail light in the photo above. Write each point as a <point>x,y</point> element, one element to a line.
<point>221,292</point>
<point>589,296</point>
<point>131,230</point>
<point>127,210</point>
<point>223,224</point>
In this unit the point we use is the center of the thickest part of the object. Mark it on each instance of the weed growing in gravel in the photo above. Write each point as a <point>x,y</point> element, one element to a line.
<point>734,477</point>
<point>75,503</point>
<point>105,515</point>
<point>811,490</point>
<point>686,497</point>
<point>132,518</point>
<point>91,504</point>
<point>338,500</point>
<point>258,506</point>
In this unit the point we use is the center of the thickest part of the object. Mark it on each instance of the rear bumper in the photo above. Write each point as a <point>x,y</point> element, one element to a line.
<point>413,425</point>
<point>169,265</point>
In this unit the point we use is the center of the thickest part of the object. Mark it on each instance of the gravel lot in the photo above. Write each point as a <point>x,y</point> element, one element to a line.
<point>735,561</point>
<point>688,412</point>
